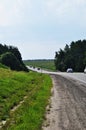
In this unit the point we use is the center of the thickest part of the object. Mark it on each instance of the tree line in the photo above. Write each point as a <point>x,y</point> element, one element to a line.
<point>72,56</point>
<point>11,57</point>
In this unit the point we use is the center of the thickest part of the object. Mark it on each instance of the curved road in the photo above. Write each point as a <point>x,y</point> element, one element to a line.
<point>78,76</point>
<point>67,108</point>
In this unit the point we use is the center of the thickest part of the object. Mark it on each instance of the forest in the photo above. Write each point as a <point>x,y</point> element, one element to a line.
<point>72,56</point>
<point>11,57</point>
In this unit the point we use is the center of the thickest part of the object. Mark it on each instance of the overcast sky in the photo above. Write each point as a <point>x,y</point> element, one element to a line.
<point>39,28</point>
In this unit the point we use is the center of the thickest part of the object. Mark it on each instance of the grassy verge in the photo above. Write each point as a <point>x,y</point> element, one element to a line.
<point>13,87</point>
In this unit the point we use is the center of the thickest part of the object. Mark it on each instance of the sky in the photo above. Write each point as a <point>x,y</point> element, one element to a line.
<point>39,28</point>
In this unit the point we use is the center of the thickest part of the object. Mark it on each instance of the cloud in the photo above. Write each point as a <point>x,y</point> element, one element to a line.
<point>41,25</point>
<point>67,10</point>
<point>16,12</point>
<point>11,11</point>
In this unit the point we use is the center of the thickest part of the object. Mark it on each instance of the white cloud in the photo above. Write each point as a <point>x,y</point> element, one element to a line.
<point>11,11</point>
<point>14,12</point>
<point>46,21</point>
<point>67,10</point>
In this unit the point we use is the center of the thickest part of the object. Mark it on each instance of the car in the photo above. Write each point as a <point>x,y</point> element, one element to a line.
<point>38,68</point>
<point>85,70</point>
<point>69,70</point>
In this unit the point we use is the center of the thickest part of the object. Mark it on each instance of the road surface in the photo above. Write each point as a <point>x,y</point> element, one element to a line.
<point>78,76</point>
<point>67,107</point>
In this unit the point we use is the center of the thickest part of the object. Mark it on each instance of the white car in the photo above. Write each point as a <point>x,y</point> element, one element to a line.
<point>85,70</point>
<point>69,70</point>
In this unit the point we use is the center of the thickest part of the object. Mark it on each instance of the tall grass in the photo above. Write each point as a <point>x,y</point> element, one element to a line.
<point>13,87</point>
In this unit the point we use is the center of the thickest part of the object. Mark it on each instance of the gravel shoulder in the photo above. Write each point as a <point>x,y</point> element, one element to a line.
<point>67,108</point>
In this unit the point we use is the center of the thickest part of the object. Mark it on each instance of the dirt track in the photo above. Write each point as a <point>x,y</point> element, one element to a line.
<point>67,109</point>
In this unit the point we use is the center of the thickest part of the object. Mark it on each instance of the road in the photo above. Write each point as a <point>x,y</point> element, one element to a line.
<point>67,106</point>
<point>78,76</point>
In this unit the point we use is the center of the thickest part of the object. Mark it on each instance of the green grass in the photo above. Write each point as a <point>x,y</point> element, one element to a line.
<point>45,64</point>
<point>13,87</point>
<point>3,66</point>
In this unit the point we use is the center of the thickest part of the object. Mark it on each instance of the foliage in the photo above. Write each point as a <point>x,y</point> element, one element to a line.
<point>3,66</point>
<point>45,64</point>
<point>11,61</point>
<point>11,57</point>
<point>14,86</point>
<point>73,56</point>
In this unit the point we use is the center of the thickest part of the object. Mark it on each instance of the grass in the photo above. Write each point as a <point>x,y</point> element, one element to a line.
<point>45,64</point>
<point>13,87</point>
<point>3,66</point>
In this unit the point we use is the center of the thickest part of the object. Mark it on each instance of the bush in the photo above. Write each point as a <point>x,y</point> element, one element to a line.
<point>10,60</point>
<point>3,66</point>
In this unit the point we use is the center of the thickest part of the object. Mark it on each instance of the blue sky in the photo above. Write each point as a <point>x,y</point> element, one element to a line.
<point>39,28</point>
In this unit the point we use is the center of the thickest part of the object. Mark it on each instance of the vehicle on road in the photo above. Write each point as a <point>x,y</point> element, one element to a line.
<point>85,70</point>
<point>69,70</point>
<point>38,68</point>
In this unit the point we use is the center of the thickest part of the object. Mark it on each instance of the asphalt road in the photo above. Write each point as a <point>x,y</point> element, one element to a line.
<point>67,108</point>
<point>78,76</point>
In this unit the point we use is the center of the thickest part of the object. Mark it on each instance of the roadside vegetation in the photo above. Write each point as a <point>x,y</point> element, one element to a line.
<point>45,64</point>
<point>11,57</point>
<point>72,56</point>
<point>3,66</point>
<point>32,89</point>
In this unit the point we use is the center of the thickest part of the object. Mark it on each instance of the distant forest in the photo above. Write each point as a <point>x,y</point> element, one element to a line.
<point>11,57</point>
<point>73,55</point>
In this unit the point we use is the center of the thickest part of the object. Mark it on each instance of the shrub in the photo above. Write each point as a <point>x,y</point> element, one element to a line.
<point>10,60</point>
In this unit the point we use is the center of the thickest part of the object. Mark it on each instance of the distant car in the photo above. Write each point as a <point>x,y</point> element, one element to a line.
<point>85,70</point>
<point>69,70</point>
<point>33,67</point>
<point>38,68</point>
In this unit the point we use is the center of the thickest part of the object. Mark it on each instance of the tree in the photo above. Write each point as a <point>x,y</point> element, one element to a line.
<point>11,61</point>
<point>9,54</point>
<point>73,56</point>
<point>59,60</point>
<point>15,51</point>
